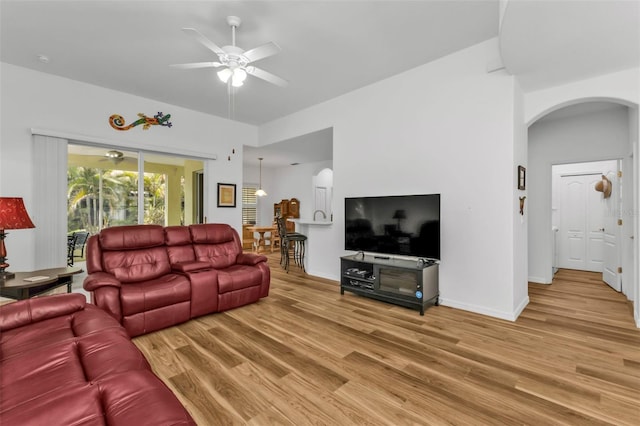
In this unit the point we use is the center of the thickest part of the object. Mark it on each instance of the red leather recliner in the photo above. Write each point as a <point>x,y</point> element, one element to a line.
<point>65,362</point>
<point>149,277</point>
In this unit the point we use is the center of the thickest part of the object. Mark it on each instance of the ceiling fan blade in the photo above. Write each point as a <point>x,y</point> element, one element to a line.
<point>267,76</point>
<point>195,65</point>
<point>204,41</point>
<point>261,52</point>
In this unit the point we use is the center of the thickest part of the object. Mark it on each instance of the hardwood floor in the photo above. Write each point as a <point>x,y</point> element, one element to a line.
<point>307,355</point>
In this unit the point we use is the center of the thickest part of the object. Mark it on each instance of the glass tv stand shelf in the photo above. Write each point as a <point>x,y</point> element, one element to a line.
<point>409,283</point>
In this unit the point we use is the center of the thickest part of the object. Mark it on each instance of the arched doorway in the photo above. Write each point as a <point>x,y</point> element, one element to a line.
<point>573,131</point>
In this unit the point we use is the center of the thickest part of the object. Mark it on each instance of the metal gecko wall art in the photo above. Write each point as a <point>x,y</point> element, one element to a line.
<point>117,122</point>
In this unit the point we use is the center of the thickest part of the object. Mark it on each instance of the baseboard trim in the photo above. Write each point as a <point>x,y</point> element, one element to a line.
<point>320,274</point>
<point>509,316</point>
<point>538,280</point>
<point>521,307</point>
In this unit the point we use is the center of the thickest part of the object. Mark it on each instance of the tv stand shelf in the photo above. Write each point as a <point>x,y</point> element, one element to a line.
<point>407,283</point>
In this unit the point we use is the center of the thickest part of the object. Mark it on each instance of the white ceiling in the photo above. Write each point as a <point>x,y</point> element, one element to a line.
<point>328,47</point>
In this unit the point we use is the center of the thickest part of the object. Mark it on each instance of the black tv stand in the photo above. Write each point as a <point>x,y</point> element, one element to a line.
<point>409,283</point>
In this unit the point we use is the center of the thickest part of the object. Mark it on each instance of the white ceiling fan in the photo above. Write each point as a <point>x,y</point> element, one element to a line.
<point>236,61</point>
<point>117,157</point>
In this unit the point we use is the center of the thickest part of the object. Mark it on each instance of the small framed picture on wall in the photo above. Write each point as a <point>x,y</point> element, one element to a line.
<point>226,195</point>
<point>522,178</point>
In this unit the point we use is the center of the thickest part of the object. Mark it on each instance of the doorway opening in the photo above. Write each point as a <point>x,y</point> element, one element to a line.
<point>585,212</point>
<point>584,132</point>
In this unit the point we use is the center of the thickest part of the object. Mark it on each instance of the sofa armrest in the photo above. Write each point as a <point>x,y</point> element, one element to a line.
<point>250,259</point>
<point>106,293</point>
<point>100,279</point>
<point>184,267</point>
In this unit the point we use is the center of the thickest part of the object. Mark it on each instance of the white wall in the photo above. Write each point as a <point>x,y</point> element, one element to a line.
<point>445,127</point>
<point>582,138</point>
<point>623,86</point>
<point>32,99</point>
<point>631,214</point>
<point>521,222</point>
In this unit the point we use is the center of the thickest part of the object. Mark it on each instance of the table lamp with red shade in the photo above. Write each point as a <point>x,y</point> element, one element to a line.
<point>13,215</point>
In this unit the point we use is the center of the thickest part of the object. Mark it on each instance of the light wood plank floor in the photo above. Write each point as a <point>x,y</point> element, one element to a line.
<point>307,355</point>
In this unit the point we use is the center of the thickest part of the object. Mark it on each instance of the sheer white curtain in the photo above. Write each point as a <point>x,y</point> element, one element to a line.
<point>49,212</point>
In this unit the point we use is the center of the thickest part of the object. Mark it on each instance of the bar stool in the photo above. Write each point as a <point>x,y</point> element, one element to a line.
<point>290,241</point>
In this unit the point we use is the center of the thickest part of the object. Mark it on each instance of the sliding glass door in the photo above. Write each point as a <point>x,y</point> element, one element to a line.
<point>109,187</point>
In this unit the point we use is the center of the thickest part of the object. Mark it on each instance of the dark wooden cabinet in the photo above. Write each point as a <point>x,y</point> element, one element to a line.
<point>287,209</point>
<point>294,208</point>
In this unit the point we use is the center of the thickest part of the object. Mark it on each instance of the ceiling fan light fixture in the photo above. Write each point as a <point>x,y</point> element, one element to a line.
<point>225,74</point>
<point>238,78</point>
<point>114,154</point>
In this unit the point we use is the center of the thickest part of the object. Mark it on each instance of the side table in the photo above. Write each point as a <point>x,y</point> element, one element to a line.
<point>24,286</point>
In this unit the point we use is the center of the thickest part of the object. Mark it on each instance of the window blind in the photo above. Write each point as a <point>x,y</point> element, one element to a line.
<point>249,205</point>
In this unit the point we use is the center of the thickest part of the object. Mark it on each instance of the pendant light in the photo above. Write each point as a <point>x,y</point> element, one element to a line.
<point>260,192</point>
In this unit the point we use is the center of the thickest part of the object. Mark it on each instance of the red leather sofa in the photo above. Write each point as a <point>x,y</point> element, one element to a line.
<point>64,362</point>
<point>149,277</point>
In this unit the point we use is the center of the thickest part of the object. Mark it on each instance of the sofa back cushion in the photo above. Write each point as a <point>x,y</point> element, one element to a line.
<point>179,247</point>
<point>29,311</point>
<point>215,243</point>
<point>131,237</point>
<point>134,253</point>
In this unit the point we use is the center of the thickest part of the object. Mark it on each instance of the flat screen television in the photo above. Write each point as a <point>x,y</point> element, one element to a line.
<point>407,225</point>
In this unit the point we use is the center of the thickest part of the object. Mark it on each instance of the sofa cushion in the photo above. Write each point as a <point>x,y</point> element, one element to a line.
<point>52,367</point>
<point>177,236</point>
<point>179,247</point>
<point>72,405</point>
<point>140,398</point>
<point>218,256</point>
<point>38,309</point>
<point>237,277</point>
<point>131,237</point>
<point>106,354</point>
<point>40,334</point>
<point>130,266</point>
<point>215,243</point>
<point>144,296</point>
<point>211,233</point>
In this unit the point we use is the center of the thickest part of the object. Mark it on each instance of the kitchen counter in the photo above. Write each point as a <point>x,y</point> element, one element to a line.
<point>311,222</point>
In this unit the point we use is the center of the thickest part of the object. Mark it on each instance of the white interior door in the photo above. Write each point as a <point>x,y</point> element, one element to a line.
<point>595,213</point>
<point>581,244</point>
<point>611,253</point>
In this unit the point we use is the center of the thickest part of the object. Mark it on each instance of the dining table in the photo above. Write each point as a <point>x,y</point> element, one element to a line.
<point>259,243</point>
